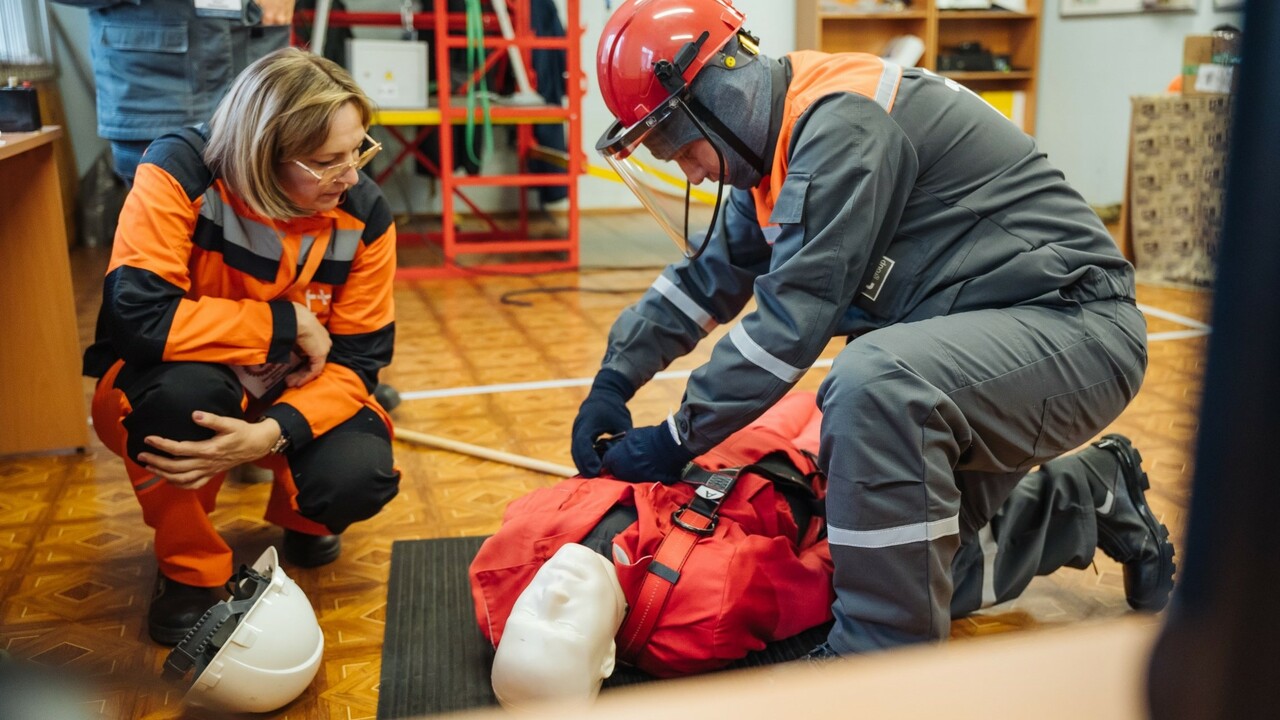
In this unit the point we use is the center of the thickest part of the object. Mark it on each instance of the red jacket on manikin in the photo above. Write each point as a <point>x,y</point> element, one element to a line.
<point>746,585</point>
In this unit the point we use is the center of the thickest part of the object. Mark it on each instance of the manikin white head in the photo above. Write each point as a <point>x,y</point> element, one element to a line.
<point>558,643</point>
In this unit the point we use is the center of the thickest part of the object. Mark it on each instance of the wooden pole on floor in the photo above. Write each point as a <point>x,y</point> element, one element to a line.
<point>485,453</point>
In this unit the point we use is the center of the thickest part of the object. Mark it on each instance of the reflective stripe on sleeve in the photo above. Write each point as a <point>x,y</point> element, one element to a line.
<point>684,303</point>
<point>891,537</point>
<point>761,357</point>
<point>671,427</point>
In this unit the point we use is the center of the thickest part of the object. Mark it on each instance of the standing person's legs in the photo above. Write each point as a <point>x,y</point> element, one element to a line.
<point>926,428</point>
<point>125,156</point>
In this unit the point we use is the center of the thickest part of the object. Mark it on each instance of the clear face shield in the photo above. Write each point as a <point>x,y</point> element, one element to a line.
<point>687,213</point>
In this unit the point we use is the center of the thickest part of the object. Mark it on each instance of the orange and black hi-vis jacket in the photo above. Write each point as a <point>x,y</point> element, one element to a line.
<point>197,276</point>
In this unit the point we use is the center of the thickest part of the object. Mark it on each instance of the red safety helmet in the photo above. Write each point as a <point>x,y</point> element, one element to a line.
<point>650,52</point>
<point>643,34</point>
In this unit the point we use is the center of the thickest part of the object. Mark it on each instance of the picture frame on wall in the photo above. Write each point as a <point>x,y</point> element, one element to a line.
<point>1073,8</point>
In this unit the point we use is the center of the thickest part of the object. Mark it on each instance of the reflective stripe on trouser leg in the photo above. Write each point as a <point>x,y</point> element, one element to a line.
<point>187,547</point>
<point>981,395</point>
<point>888,446</point>
<point>1048,522</point>
<point>976,570</point>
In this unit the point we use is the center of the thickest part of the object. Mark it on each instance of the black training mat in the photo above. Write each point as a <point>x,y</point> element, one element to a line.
<point>435,660</point>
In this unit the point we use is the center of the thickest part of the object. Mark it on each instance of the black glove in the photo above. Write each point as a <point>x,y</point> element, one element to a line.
<point>647,454</point>
<point>604,412</point>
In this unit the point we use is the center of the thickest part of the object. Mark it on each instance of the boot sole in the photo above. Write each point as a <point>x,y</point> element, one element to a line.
<point>1136,483</point>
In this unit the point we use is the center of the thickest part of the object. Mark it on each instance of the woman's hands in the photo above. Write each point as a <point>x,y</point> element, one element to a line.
<point>313,344</point>
<point>196,462</point>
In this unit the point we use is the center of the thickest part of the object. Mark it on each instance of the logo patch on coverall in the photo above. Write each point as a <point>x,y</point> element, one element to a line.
<point>871,290</point>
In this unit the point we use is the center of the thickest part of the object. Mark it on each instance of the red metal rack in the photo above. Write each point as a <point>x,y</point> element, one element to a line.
<point>495,248</point>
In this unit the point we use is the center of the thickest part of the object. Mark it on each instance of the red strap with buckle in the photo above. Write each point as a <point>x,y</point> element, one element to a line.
<point>694,520</point>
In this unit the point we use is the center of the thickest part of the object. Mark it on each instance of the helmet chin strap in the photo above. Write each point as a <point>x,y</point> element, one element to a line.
<point>671,74</point>
<point>701,112</point>
<point>208,635</point>
<point>715,211</point>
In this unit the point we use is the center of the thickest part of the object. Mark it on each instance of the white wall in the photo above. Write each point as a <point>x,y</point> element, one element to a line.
<point>1089,68</point>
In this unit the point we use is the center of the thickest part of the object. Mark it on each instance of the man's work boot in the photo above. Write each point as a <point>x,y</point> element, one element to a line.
<point>176,608</point>
<point>1128,531</point>
<point>310,551</point>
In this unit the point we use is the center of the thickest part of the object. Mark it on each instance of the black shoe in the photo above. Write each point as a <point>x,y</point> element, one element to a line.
<point>1129,533</point>
<point>310,551</point>
<point>176,608</point>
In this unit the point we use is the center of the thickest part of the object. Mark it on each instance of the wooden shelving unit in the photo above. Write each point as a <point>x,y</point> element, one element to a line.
<point>837,26</point>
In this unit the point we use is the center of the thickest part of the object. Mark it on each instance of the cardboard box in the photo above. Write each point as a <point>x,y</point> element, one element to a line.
<point>1176,185</point>
<point>1209,63</point>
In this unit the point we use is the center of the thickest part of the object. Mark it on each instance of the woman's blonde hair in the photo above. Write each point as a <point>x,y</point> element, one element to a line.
<point>277,110</point>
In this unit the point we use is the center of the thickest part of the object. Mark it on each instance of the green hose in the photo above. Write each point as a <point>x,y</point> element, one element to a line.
<point>475,61</point>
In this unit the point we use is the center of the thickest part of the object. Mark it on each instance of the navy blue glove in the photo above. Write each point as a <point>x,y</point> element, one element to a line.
<point>647,454</point>
<point>604,412</point>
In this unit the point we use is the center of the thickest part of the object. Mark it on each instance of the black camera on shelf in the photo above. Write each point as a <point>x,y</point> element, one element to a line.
<point>972,57</point>
<point>19,107</point>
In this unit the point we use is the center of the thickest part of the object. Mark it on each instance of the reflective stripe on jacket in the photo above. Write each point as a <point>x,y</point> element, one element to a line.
<point>888,202</point>
<point>197,276</point>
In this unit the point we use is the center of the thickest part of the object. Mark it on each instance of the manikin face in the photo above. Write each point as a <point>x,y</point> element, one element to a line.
<point>558,642</point>
<point>346,135</point>
<point>698,161</point>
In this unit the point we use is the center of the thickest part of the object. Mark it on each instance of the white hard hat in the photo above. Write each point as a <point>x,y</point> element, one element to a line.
<point>255,652</point>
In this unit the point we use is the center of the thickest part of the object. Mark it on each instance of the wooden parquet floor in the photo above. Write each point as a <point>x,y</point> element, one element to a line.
<point>76,564</point>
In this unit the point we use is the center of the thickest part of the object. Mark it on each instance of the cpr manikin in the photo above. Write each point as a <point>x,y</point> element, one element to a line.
<point>559,639</point>
<point>550,586</point>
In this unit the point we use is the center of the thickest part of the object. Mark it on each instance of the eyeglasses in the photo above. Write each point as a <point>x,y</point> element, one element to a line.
<point>331,173</point>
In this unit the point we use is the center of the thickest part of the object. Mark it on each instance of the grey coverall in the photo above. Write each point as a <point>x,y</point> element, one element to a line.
<point>991,329</point>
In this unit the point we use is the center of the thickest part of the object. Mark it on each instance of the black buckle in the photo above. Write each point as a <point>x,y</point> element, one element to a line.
<point>710,528</point>
<point>711,488</point>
